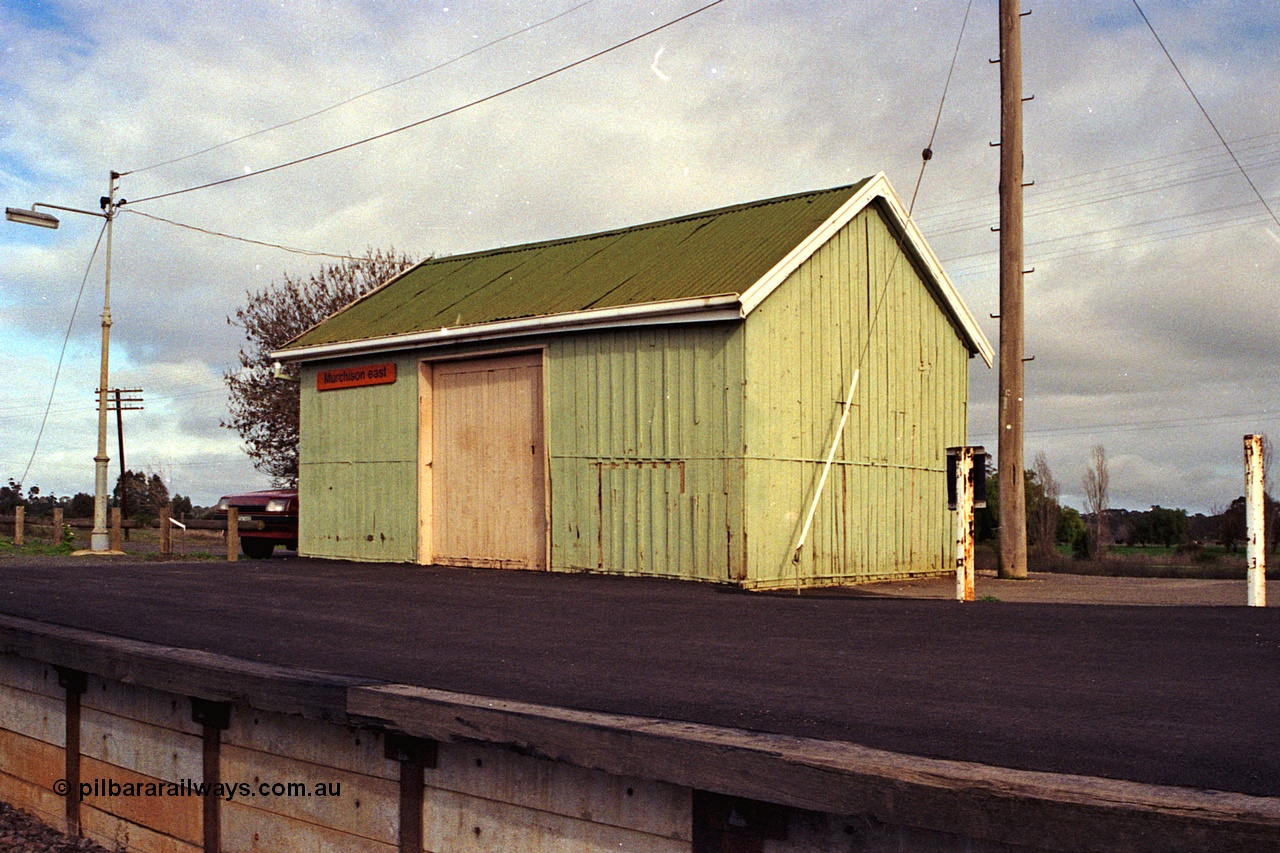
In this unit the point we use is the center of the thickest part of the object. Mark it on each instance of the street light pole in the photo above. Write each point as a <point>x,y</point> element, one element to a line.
<point>100,539</point>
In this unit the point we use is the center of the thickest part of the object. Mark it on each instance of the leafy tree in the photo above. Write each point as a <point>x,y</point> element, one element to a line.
<point>986,521</point>
<point>147,494</point>
<point>180,505</point>
<point>11,496</point>
<point>1071,528</point>
<point>1233,526</point>
<point>80,506</point>
<point>41,504</point>
<point>264,409</point>
<point>1160,526</point>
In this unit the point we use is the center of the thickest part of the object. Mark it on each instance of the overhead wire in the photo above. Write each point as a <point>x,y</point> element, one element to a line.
<point>928,149</point>
<point>1146,425</point>
<point>846,405</point>
<point>1205,113</point>
<point>452,111</point>
<point>1175,163</point>
<point>283,248</point>
<point>364,94</point>
<point>62,355</point>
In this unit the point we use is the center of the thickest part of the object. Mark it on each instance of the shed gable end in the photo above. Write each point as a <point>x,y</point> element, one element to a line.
<point>858,302</point>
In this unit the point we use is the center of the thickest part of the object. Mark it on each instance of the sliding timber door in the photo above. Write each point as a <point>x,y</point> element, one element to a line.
<point>485,458</point>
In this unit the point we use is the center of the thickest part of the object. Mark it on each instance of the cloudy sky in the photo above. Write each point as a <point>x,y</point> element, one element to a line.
<point>1152,313</point>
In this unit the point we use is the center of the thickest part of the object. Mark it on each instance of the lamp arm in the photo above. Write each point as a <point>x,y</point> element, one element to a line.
<point>69,209</point>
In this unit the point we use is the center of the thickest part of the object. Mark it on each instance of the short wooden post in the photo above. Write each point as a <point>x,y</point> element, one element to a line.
<point>233,534</point>
<point>166,532</point>
<point>56,536</point>
<point>1255,520</point>
<point>19,524</point>
<point>117,536</point>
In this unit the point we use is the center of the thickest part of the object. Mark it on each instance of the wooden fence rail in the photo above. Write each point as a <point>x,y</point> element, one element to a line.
<point>55,524</point>
<point>44,521</point>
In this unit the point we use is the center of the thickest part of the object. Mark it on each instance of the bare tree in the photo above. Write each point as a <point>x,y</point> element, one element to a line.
<point>1047,508</point>
<point>264,409</point>
<point>1097,482</point>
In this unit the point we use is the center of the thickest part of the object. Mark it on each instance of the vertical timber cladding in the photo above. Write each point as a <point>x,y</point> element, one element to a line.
<point>645,449</point>
<point>486,455</point>
<point>883,512</point>
<point>357,465</point>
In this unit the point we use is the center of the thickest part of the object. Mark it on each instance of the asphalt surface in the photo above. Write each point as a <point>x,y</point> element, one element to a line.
<point>1183,696</point>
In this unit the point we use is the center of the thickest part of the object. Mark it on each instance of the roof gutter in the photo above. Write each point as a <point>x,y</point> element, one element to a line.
<point>702,309</point>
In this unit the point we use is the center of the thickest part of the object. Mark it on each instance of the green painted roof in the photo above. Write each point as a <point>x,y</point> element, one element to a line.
<point>718,252</point>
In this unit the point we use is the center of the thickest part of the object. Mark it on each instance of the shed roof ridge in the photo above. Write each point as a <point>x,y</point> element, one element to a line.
<point>641,226</point>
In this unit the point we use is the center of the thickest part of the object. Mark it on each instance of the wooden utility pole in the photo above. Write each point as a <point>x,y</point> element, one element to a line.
<point>123,404</point>
<point>1013,497</point>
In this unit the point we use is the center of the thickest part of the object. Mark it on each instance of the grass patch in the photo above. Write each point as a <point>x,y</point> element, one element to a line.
<point>1208,562</point>
<point>34,549</point>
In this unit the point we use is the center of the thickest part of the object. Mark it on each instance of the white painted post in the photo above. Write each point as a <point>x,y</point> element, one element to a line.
<point>964,524</point>
<point>1255,520</point>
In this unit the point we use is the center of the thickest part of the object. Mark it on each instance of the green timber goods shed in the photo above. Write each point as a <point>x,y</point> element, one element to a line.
<point>657,400</point>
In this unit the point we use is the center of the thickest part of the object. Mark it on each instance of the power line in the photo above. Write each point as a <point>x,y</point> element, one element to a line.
<point>343,103</point>
<point>1143,426</point>
<point>244,239</point>
<point>928,149</point>
<point>1112,174</point>
<point>440,115</point>
<point>1156,237</point>
<point>1045,203</point>
<point>62,355</point>
<point>1205,113</point>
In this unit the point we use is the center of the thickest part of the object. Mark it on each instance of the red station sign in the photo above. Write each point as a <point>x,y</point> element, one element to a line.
<point>356,377</point>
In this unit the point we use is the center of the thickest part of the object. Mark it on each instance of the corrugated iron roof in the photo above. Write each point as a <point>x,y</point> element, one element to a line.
<point>717,252</point>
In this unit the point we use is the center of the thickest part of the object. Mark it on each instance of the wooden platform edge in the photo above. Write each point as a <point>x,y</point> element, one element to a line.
<point>186,672</point>
<point>1041,810</point>
<point>1037,809</point>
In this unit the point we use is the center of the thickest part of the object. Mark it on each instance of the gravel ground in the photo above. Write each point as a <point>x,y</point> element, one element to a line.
<point>1046,588</point>
<point>22,833</point>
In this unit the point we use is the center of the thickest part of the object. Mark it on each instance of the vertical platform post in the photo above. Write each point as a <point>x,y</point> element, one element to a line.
<point>1255,512</point>
<point>56,536</point>
<point>414,755</point>
<point>19,524</point>
<point>213,717</point>
<point>75,683</point>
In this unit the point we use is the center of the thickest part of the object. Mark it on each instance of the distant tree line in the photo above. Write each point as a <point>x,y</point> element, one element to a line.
<point>147,495</point>
<point>1050,524</point>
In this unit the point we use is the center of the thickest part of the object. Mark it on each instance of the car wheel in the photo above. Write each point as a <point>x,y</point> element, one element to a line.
<point>257,549</point>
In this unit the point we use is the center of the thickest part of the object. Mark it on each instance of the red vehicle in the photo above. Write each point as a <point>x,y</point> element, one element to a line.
<point>277,509</point>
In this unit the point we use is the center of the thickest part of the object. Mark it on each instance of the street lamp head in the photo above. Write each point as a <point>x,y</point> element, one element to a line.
<point>30,217</point>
